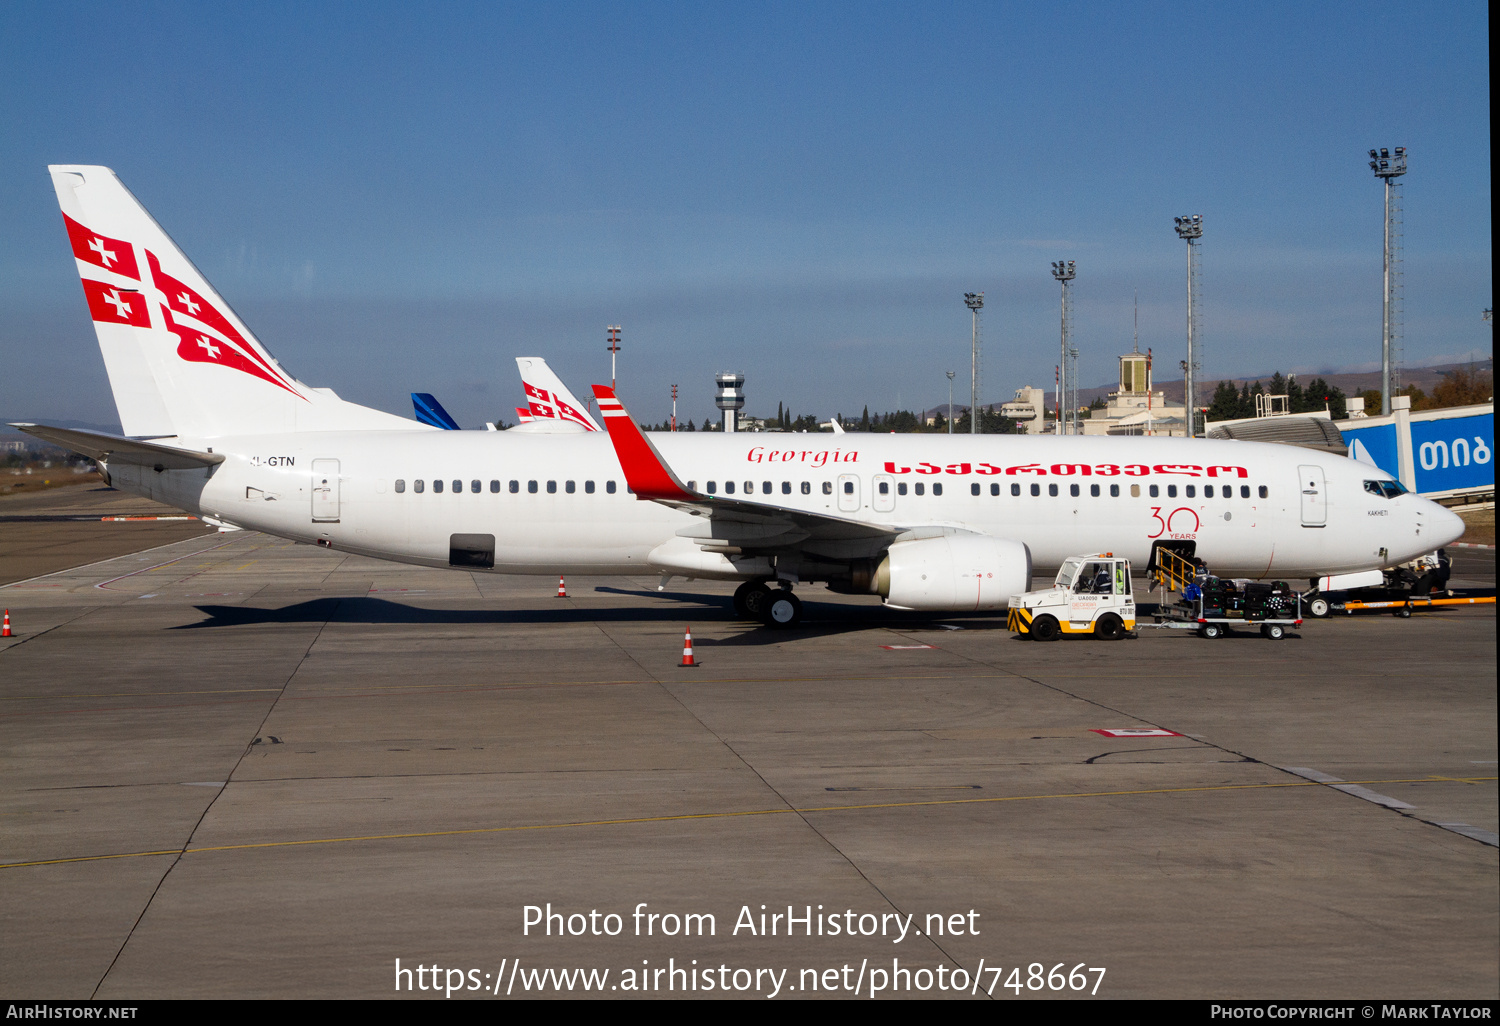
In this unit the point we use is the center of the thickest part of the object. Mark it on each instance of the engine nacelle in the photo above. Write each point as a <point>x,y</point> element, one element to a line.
<point>953,572</point>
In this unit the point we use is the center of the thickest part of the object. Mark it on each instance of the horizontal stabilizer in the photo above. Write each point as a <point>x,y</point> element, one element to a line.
<point>114,449</point>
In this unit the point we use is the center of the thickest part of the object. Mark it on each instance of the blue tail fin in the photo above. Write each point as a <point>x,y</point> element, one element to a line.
<point>430,411</point>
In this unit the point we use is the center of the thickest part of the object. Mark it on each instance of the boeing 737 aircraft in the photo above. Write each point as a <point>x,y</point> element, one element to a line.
<point>214,425</point>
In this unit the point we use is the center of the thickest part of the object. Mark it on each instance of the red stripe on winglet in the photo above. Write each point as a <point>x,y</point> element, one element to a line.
<point>646,473</point>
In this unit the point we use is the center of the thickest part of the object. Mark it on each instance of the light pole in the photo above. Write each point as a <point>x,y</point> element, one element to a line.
<point>614,347</point>
<point>950,401</point>
<point>1388,166</point>
<point>1064,272</point>
<point>1190,230</point>
<point>975,302</point>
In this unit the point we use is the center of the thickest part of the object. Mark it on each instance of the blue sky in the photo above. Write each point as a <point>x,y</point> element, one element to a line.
<point>401,197</point>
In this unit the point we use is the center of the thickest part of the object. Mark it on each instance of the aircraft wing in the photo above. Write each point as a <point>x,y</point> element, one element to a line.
<point>746,524</point>
<point>114,449</point>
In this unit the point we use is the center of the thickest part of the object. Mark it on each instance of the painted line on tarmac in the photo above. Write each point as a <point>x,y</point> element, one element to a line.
<point>788,811</point>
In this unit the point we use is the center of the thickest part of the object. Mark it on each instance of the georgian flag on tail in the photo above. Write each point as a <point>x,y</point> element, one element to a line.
<point>205,335</point>
<point>102,251</point>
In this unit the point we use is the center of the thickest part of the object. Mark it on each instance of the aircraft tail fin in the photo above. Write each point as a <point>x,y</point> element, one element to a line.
<point>180,360</point>
<point>548,396</point>
<point>430,411</point>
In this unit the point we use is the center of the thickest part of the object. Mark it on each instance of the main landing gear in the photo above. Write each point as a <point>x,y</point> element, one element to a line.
<point>774,607</point>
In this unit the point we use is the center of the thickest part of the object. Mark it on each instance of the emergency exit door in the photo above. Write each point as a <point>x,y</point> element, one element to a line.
<point>325,491</point>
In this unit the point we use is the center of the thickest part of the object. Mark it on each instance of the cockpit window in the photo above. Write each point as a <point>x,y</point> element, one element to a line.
<point>1385,489</point>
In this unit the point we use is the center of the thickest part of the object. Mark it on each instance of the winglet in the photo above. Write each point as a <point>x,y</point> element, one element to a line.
<point>646,473</point>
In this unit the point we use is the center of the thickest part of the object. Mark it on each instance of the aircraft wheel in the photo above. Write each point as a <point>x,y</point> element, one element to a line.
<point>782,608</point>
<point>1109,628</point>
<point>1404,612</point>
<point>1044,628</point>
<point>1211,630</point>
<point>1273,631</point>
<point>750,600</point>
<point>1317,607</point>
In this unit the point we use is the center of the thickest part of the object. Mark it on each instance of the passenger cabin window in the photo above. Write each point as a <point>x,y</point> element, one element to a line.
<point>1264,492</point>
<point>786,488</point>
<point>418,485</point>
<point>974,488</point>
<point>1135,491</point>
<point>1094,491</point>
<point>551,487</point>
<point>588,487</point>
<point>901,488</point>
<point>827,487</point>
<point>515,486</point>
<point>994,489</point>
<point>1244,491</point>
<point>1155,491</point>
<point>531,487</point>
<point>474,487</point>
<point>1190,491</point>
<point>1015,489</point>
<point>1114,491</point>
<point>609,486</point>
<point>920,487</point>
<point>728,487</point>
<point>400,485</point>
<point>458,487</point>
<point>570,487</point>
<point>1036,489</point>
<point>494,487</point>
<point>749,487</point>
<point>937,488</point>
<point>1052,489</point>
<point>766,488</point>
<point>1171,491</point>
<point>437,485</point>
<point>1073,490</point>
<point>806,487</point>
<point>884,488</point>
<point>849,487</point>
<point>713,488</point>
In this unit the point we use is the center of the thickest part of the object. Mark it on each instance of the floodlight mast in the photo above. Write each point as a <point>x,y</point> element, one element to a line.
<point>613,347</point>
<point>975,302</point>
<point>1190,230</point>
<point>1389,165</point>
<point>950,400</point>
<point>1064,271</point>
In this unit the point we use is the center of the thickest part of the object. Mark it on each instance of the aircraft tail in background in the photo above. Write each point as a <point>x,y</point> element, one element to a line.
<point>430,411</point>
<point>180,360</point>
<point>549,398</point>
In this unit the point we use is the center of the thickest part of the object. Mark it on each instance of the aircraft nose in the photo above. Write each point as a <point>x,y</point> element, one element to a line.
<point>1446,526</point>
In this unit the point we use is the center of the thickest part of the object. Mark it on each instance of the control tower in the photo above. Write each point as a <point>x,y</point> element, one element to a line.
<point>731,397</point>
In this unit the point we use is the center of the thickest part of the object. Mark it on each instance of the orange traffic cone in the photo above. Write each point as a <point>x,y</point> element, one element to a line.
<point>562,588</point>
<point>687,648</point>
<point>5,631</point>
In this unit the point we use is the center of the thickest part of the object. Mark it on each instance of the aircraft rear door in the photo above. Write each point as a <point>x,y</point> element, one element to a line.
<point>1314,496</point>
<point>325,491</point>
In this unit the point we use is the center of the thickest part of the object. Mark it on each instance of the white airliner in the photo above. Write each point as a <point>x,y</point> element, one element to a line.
<point>217,427</point>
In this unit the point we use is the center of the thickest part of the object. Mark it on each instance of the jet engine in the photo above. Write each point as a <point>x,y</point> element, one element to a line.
<point>953,572</point>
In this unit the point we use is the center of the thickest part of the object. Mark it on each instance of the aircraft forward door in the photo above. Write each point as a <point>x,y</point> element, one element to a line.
<point>1314,496</point>
<point>848,487</point>
<point>325,491</point>
<point>884,495</point>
